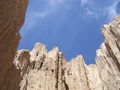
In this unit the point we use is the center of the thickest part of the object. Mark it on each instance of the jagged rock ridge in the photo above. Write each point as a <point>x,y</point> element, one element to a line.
<point>42,70</point>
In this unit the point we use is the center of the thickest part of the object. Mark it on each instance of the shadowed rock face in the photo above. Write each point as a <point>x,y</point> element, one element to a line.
<point>42,70</point>
<point>12,14</point>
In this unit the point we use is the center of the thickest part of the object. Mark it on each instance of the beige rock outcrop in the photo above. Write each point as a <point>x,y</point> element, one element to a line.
<point>12,13</point>
<point>42,70</point>
<point>108,56</point>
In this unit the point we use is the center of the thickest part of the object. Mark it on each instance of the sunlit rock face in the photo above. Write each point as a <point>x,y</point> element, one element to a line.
<point>12,13</point>
<point>42,70</point>
<point>108,56</point>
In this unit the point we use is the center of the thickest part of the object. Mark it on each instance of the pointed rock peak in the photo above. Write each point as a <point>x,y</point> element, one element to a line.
<point>38,50</point>
<point>56,49</point>
<point>98,53</point>
<point>60,54</point>
<point>105,27</point>
<point>54,53</point>
<point>79,57</point>
<point>116,18</point>
<point>102,45</point>
<point>39,45</point>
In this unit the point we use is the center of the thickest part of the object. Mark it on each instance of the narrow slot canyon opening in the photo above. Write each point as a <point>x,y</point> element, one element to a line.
<point>73,26</point>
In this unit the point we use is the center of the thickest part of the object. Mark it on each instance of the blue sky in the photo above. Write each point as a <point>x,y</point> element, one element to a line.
<point>72,25</point>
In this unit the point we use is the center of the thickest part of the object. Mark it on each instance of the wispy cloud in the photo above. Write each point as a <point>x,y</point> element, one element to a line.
<point>32,16</point>
<point>90,10</point>
<point>26,27</point>
<point>83,2</point>
<point>42,14</point>
<point>54,2</point>
<point>91,13</point>
<point>87,7</point>
<point>111,11</point>
<point>51,7</point>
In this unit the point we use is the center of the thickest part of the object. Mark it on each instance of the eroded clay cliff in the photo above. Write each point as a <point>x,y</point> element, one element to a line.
<point>42,70</point>
<point>12,13</point>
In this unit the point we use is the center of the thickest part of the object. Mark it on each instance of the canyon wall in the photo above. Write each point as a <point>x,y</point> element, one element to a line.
<point>42,70</point>
<point>12,14</point>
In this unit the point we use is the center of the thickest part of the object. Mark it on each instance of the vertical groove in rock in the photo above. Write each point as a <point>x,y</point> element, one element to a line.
<point>56,73</point>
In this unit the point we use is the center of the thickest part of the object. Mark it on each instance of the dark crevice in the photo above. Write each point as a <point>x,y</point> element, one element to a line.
<point>37,54</point>
<point>117,36</point>
<point>118,45</point>
<point>52,71</point>
<point>66,85</point>
<point>41,62</point>
<point>113,56</point>
<point>57,72</point>
<point>87,78</point>
<point>33,64</point>
<point>41,65</point>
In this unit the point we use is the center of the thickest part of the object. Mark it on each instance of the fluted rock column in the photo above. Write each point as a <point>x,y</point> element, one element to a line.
<point>108,56</point>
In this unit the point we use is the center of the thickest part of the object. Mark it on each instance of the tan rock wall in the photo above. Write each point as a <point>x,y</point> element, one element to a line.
<point>12,13</point>
<point>108,56</point>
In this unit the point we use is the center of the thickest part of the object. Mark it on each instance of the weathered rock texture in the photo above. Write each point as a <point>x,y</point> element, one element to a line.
<point>42,70</point>
<point>12,14</point>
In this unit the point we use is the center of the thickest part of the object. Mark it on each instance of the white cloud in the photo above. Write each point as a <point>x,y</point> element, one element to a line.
<point>55,3</point>
<point>91,13</point>
<point>88,6</point>
<point>60,1</point>
<point>83,2</point>
<point>90,10</point>
<point>52,3</point>
<point>51,7</point>
<point>41,14</point>
<point>112,10</point>
<point>26,27</point>
<point>33,15</point>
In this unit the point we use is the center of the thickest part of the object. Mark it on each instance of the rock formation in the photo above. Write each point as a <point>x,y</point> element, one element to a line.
<point>42,70</point>
<point>12,13</point>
